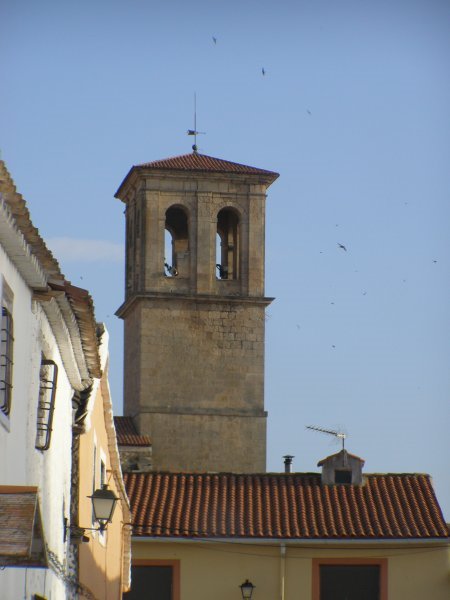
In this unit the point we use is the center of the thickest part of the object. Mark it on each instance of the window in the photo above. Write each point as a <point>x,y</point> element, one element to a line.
<point>342,476</point>
<point>154,580</point>
<point>48,376</point>
<point>227,251</point>
<point>347,579</point>
<point>94,467</point>
<point>6,360</point>
<point>176,246</point>
<point>102,473</point>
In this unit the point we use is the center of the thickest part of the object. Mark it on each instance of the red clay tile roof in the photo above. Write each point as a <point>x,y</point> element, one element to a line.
<point>80,300</point>
<point>127,434</point>
<point>83,308</point>
<point>200,163</point>
<point>342,452</point>
<point>21,542</point>
<point>283,506</point>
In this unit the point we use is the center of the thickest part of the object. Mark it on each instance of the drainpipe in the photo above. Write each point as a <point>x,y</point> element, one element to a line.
<point>282,570</point>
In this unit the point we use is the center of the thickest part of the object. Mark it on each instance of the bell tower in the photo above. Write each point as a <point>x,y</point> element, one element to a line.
<point>194,311</point>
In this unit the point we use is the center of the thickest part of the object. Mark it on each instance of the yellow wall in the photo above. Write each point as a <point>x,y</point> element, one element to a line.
<point>215,570</point>
<point>100,560</point>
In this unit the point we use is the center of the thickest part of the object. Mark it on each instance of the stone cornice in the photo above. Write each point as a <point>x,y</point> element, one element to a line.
<point>203,412</point>
<point>194,299</point>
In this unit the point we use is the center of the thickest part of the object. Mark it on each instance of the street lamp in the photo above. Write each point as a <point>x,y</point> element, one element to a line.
<point>247,589</point>
<point>103,504</point>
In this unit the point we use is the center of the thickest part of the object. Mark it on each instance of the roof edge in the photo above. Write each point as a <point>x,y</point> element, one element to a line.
<point>217,165</point>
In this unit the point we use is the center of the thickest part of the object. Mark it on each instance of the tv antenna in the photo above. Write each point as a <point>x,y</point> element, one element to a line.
<point>194,131</point>
<point>340,435</point>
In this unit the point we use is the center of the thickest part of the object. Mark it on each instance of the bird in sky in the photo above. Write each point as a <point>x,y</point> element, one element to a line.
<point>342,247</point>
<point>214,39</point>
<point>263,71</point>
<point>308,111</point>
<point>435,261</point>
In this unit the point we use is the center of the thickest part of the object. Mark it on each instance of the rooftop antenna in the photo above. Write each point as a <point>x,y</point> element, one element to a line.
<point>194,131</point>
<point>340,435</point>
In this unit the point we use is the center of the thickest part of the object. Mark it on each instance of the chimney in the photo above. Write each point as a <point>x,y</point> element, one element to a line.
<point>288,462</point>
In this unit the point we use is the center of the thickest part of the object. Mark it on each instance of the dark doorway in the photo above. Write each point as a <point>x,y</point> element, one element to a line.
<point>151,583</point>
<point>349,582</point>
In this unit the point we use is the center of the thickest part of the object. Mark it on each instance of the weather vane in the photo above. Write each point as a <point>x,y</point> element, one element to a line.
<point>194,131</point>
<point>337,434</point>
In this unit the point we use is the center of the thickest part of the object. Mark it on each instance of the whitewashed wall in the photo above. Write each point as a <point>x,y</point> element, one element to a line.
<point>21,463</point>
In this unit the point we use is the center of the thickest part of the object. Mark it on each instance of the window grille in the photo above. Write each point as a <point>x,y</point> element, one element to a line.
<point>6,362</point>
<point>47,391</point>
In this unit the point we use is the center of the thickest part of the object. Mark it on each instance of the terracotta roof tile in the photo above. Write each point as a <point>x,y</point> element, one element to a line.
<point>283,505</point>
<point>200,163</point>
<point>83,308</point>
<point>79,299</point>
<point>21,542</point>
<point>127,434</point>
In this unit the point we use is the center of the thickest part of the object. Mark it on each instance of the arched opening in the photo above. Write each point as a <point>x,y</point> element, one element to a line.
<point>227,248</point>
<point>176,242</point>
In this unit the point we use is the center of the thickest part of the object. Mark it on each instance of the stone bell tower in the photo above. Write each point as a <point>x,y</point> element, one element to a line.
<point>194,311</point>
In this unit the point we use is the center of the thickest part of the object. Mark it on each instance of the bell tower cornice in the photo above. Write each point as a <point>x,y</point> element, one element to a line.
<point>192,166</point>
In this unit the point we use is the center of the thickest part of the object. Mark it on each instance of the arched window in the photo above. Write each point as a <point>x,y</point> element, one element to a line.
<point>176,243</point>
<point>227,250</point>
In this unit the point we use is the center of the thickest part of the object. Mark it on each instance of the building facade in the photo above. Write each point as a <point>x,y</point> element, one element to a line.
<point>49,354</point>
<point>104,561</point>
<point>293,536</point>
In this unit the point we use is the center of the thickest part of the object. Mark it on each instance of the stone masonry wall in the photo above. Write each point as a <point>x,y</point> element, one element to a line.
<point>205,361</point>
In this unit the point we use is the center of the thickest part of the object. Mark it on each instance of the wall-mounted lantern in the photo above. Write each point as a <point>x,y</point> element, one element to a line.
<point>247,589</point>
<point>103,504</point>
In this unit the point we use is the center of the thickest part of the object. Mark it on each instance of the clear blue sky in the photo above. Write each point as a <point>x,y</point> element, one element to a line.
<point>353,112</point>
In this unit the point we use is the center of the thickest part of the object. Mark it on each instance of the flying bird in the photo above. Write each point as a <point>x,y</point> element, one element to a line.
<point>263,71</point>
<point>214,39</point>
<point>342,247</point>
<point>308,111</point>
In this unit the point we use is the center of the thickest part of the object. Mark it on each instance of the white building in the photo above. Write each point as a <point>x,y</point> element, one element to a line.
<point>48,352</point>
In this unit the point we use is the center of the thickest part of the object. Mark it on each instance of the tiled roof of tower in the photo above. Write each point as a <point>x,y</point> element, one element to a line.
<point>283,506</point>
<point>127,434</point>
<point>201,163</point>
